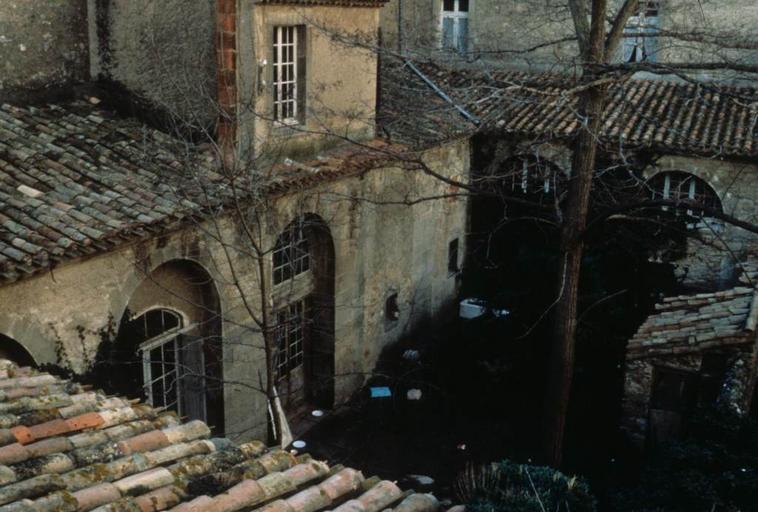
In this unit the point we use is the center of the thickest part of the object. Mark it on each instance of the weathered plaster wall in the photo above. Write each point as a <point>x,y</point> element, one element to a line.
<point>731,19</point>
<point>712,260</point>
<point>163,50</point>
<point>43,46</point>
<point>61,317</point>
<point>501,29</point>
<point>341,77</point>
<point>179,286</point>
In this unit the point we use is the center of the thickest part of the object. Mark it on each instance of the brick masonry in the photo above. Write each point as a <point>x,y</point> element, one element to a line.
<point>226,74</point>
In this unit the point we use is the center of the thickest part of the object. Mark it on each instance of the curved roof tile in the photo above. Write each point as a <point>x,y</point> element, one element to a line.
<point>64,448</point>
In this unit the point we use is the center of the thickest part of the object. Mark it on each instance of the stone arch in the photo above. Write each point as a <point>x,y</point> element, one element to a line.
<point>521,185</point>
<point>14,351</point>
<point>28,333</point>
<point>159,256</point>
<point>168,349</point>
<point>525,174</point>
<point>303,287</point>
<point>684,186</point>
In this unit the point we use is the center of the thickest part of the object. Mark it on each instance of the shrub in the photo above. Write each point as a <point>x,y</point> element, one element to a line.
<point>714,467</point>
<point>511,487</point>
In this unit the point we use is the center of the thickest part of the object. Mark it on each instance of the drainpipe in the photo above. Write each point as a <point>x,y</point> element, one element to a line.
<point>465,113</point>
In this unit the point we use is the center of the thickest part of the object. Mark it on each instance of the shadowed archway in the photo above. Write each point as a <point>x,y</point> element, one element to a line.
<point>168,350</point>
<point>14,351</point>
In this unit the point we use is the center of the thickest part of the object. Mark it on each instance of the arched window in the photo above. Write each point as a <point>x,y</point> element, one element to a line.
<point>303,314</point>
<point>160,349</point>
<point>692,192</point>
<point>525,177</point>
<point>291,254</point>
<point>172,361</point>
<point>168,349</point>
<point>533,176</point>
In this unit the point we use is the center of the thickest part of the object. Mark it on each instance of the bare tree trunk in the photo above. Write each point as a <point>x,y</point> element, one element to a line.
<point>561,367</point>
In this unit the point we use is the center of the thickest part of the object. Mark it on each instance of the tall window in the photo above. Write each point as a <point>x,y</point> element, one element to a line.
<point>291,253</point>
<point>289,74</point>
<point>640,41</point>
<point>290,338</point>
<point>455,25</point>
<point>687,189</point>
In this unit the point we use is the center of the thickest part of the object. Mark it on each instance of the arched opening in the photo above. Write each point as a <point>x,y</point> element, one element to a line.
<point>303,293</point>
<point>696,197</point>
<point>14,351</point>
<point>685,205</point>
<point>519,192</point>
<point>168,348</point>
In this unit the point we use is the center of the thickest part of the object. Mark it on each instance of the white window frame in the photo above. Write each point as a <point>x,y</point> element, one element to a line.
<point>643,46</point>
<point>166,338</point>
<point>170,337</point>
<point>523,184</point>
<point>455,15</point>
<point>289,86</point>
<point>691,184</point>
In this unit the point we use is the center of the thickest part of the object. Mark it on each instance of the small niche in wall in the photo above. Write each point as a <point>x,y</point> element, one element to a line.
<point>452,257</point>
<point>391,309</point>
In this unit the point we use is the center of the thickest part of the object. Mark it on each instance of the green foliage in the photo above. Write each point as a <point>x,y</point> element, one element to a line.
<point>715,467</point>
<point>523,488</point>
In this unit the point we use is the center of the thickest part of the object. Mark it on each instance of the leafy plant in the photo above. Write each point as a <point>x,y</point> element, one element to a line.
<point>713,468</point>
<point>511,487</point>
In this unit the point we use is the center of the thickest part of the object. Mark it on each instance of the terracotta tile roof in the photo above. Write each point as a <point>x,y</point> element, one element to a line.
<point>692,323</point>
<point>656,114</point>
<point>340,3</point>
<point>64,448</point>
<point>410,111</point>
<point>76,180</point>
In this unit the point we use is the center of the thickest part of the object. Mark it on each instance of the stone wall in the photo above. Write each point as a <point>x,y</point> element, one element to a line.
<point>62,317</point>
<point>340,77</point>
<point>167,52</point>
<point>162,50</point>
<point>43,47</point>
<point>639,376</point>
<point>716,249</point>
<point>501,30</point>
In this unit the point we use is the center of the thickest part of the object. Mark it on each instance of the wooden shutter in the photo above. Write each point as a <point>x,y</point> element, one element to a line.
<point>192,360</point>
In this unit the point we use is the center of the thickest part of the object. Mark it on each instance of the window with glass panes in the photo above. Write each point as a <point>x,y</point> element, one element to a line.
<point>291,254</point>
<point>290,338</point>
<point>455,24</point>
<point>160,358</point>
<point>289,70</point>
<point>640,41</point>
<point>685,188</point>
